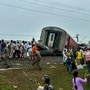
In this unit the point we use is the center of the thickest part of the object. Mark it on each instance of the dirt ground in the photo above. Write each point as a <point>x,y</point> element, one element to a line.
<point>16,63</point>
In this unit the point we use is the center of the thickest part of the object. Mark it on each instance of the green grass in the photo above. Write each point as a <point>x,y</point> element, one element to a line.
<point>28,78</point>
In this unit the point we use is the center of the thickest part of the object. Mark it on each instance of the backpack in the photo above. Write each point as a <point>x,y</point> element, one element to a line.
<point>68,61</point>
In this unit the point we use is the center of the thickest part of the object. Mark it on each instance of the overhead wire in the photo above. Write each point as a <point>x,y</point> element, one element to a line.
<point>29,9</point>
<point>29,2</point>
<point>2,36</point>
<point>36,11</point>
<point>63,5</point>
<point>16,35</point>
<point>72,11</point>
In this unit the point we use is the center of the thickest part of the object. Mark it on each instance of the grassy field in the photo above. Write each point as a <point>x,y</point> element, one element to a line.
<point>28,78</point>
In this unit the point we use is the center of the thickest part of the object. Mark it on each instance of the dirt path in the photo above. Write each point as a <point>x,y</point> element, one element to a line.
<point>14,63</point>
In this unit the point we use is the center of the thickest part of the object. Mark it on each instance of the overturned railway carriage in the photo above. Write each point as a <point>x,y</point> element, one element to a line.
<point>56,39</point>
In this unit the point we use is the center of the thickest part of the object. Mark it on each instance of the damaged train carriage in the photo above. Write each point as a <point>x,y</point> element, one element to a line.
<point>56,39</point>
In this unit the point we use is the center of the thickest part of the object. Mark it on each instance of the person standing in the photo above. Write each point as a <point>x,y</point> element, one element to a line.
<point>68,64</point>
<point>78,81</point>
<point>74,67</point>
<point>3,49</point>
<point>30,50</point>
<point>64,56</point>
<point>11,49</point>
<point>0,49</point>
<point>87,58</point>
<point>79,56</point>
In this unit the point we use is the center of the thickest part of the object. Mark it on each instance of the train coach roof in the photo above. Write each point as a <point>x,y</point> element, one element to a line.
<point>53,28</point>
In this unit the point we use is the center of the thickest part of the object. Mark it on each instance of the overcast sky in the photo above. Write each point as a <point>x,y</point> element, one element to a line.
<point>24,19</point>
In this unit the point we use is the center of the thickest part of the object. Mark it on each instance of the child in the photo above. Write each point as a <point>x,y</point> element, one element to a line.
<point>68,64</point>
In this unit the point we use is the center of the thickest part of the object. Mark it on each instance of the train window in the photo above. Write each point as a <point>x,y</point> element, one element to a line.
<point>51,39</point>
<point>52,36</point>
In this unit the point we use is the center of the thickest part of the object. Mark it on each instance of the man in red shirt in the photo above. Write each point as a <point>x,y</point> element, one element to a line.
<point>36,55</point>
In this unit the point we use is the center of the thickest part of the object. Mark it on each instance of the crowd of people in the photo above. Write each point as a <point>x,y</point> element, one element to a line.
<point>22,50</point>
<point>16,49</point>
<point>72,58</point>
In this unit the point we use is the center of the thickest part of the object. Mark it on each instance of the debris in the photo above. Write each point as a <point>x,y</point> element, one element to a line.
<point>14,86</point>
<point>52,67</point>
<point>8,69</point>
<point>48,62</point>
<point>40,88</point>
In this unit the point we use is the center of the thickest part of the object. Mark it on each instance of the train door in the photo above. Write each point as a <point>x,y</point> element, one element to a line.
<point>56,40</point>
<point>51,40</point>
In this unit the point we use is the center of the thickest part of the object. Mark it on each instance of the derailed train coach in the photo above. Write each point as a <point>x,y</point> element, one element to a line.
<point>56,39</point>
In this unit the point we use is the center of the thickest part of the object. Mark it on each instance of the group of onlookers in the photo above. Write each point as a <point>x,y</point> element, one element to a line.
<point>72,58</point>
<point>14,49</point>
<point>69,59</point>
<point>23,49</point>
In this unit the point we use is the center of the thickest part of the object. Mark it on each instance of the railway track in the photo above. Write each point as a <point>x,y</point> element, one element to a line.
<point>14,63</point>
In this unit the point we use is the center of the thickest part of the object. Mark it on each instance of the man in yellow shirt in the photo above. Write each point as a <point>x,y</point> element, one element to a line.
<point>79,56</point>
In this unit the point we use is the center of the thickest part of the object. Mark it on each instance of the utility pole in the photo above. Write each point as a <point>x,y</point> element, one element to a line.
<point>77,37</point>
